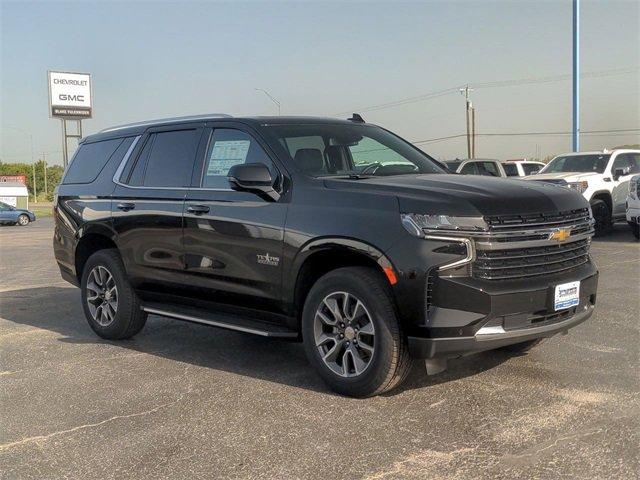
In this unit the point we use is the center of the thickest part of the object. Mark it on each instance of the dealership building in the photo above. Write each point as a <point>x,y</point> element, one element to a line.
<point>14,194</point>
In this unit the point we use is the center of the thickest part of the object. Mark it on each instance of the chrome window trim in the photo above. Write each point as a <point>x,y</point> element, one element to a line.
<point>123,163</point>
<point>119,170</point>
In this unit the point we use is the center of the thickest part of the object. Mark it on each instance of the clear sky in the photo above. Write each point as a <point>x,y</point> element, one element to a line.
<point>151,60</point>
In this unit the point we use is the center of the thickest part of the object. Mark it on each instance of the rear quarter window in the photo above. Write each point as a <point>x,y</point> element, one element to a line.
<point>90,159</point>
<point>510,169</point>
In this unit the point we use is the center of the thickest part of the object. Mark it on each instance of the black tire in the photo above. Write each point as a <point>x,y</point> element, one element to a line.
<point>520,348</point>
<point>390,363</point>
<point>602,216</point>
<point>23,220</point>
<point>129,318</point>
<point>635,229</point>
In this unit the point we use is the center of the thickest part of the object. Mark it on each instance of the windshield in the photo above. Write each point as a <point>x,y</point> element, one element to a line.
<point>578,163</point>
<point>337,149</point>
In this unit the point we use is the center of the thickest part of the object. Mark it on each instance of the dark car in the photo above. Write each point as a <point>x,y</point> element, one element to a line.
<point>10,215</point>
<point>336,233</point>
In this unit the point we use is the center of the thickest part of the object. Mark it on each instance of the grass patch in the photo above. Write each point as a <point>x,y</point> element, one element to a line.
<point>42,211</point>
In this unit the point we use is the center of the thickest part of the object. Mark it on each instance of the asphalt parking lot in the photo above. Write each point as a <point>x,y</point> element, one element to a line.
<point>185,401</point>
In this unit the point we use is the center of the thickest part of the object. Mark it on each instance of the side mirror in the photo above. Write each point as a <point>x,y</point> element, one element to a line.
<point>618,172</point>
<point>254,178</point>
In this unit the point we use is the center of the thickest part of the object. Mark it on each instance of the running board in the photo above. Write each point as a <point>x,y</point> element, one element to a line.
<point>221,320</point>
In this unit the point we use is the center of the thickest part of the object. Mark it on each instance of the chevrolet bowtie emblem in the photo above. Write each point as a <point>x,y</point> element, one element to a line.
<point>560,235</point>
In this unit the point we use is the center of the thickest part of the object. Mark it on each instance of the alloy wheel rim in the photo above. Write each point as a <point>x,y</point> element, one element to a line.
<point>344,334</point>
<point>23,220</point>
<point>102,296</point>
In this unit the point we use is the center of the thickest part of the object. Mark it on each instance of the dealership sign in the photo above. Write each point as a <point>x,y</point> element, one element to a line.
<point>70,95</point>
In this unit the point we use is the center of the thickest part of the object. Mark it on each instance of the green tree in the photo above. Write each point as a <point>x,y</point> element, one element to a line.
<point>54,175</point>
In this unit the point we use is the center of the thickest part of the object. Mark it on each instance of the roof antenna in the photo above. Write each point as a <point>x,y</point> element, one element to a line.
<point>355,117</point>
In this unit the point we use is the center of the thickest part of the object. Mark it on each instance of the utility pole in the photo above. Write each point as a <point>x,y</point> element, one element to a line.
<point>35,189</point>
<point>473,132</point>
<point>44,164</point>
<point>466,91</point>
<point>576,76</point>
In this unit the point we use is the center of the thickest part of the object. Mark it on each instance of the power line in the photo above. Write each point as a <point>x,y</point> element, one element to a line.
<point>494,84</point>
<point>616,132</point>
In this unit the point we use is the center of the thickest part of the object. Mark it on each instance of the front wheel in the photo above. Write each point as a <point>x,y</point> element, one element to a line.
<point>352,335</point>
<point>602,216</point>
<point>110,304</point>
<point>23,220</point>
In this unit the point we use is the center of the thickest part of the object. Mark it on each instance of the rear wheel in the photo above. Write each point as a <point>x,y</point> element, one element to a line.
<point>635,229</point>
<point>351,333</point>
<point>110,304</point>
<point>23,220</point>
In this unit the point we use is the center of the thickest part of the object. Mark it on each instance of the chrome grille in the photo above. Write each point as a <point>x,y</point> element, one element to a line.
<point>520,246</point>
<point>528,262</point>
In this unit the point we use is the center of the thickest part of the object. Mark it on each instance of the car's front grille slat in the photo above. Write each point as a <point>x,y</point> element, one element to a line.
<point>528,261</point>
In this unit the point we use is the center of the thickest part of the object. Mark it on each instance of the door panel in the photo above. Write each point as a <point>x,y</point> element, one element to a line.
<point>233,240</point>
<point>235,249</point>
<point>148,204</point>
<point>148,224</point>
<point>630,164</point>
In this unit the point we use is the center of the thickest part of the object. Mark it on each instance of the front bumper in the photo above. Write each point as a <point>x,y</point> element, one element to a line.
<point>471,315</point>
<point>633,215</point>
<point>459,346</point>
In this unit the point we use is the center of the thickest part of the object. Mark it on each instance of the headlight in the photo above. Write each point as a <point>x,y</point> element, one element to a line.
<point>580,187</point>
<point>447,229</point>
<point>416,223</point>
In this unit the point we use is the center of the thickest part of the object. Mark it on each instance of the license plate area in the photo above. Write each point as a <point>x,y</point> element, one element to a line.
<point>566,295</point>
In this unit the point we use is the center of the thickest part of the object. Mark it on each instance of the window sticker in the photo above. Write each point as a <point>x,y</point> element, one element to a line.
<point>225,154</point>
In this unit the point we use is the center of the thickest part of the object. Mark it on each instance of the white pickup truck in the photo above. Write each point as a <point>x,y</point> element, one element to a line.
<point>633,206</point>
<point>601,177</point>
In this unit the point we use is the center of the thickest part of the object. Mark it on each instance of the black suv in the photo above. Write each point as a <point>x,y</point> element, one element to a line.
<point>337,233</point>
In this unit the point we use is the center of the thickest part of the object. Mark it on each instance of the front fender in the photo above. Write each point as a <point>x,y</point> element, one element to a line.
<point>343,244</point>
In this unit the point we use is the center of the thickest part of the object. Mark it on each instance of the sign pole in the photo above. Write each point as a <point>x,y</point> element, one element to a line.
<point>65,153</point>
<point>575,143</point>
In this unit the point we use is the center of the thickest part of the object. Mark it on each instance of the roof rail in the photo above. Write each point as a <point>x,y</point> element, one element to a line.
<point>164,120</point>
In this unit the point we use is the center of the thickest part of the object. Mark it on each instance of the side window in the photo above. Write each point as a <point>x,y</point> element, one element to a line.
<point>229,147</point>
<point>166,159</point>
<point>629,162</point>
<point>511,169</point>
<point>469,169</point>
<point>89,161</point>
<point>531,168</point>
<point>489,169</point>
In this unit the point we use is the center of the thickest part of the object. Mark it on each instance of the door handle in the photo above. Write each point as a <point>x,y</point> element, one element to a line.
<point>125,207</point>
<point>198,209</point>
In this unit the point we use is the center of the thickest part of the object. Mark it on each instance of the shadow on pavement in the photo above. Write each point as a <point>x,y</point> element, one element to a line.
<point>620,233</point>
<point>58,310</point>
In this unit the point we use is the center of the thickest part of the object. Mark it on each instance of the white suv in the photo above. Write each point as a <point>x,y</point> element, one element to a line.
<point>633,205</point>
<point>496,168</point>
<point>601,177</point>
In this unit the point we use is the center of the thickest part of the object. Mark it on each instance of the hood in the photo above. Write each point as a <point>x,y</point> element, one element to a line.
<point>568,176</point>
<point>466,195</point>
